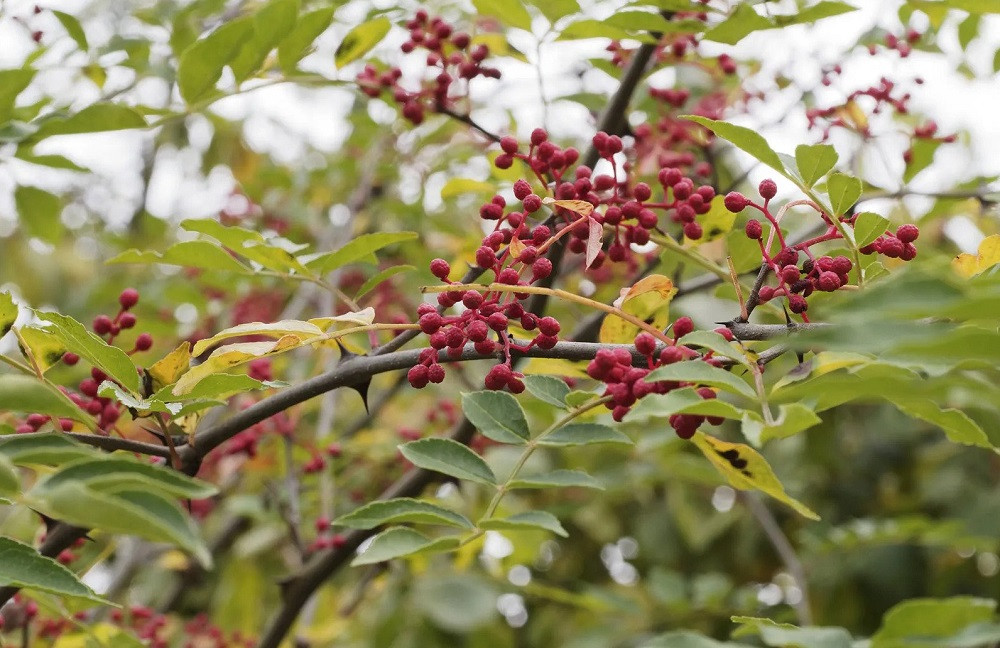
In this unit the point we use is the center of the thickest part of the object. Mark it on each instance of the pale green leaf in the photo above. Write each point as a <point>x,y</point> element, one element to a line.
<point>497,415</point>
<point>360,249</point>
<point>548,389</point>
<point>574,434</point>
<point>814,161</point>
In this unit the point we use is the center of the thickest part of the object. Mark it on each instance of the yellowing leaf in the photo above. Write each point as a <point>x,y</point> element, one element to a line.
<point>229,356</point>
<point>988,256</point>
<point>649,300</point>
<point>362,317</point>
<point>581,207</point>
<point>746,469</point>
<point>595,241</point>
<point>45,347</point>
<point>853,113</point>
<point>556,367</point>
<point>298,329</point>
<point>171,367</point>
<point>715,224</point>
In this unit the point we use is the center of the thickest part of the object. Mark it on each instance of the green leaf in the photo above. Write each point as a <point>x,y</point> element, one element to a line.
<point>957,425</point>
<point>740,24</point>
<point>844,191</point>
<point>575,434</point>
<point>702,373</point>
<point>553,10</point>
<point>22,566</point>
<point>547,389</point>
<point>458,186</point>
<point>8,312</point>
<point>869,226</point>
<point>824,9</point>
<point>271,23</point>
<point>112,360</point>
<point>814,161</point>
<point>589,28</point>
<point>401,509</point>
<point>30,395</point>
<point>688,639</point>
<point>190,254</point>
<point>95,118</point>
<point>926,618</point>
<point>10,482</point>
<point>39,213</point>
<point>44,448</point>
<point>392,543</point>
<point>361,248</point>
<point>792,419</point>
<point>201,62</point>
<point>745,139</point>
<point>558,479</point>
<point>51,161</point>
<point>527,520</point>
<point>141,513</point>
<point>511,12</point>
<point>497,415</point>
<point>922,155</point>
<point>297,44</point>
<point>108,474</point>
<point>785,634</point>
<point>217,386</point>
<point>381,277</point>
<point>746,469</point>
<point>448,457</point>
<point>73,28</point>
<point>12,83</point>
<point>972,6</point>
<point>360,40</point>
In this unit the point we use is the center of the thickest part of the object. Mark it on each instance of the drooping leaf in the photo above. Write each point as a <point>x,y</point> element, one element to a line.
<point>595,241</point>
<point>10,482</point>
<point>228,356</point>
<point>702,373</point>
<point>73,27</point>
<point>448,457</point>
<point>814,161</point>
<point>360,249</point>
<point>109,474</point>
<point>957,425</point>
<point>168,369</point>
<point>497,415</point>
<point>528,520</point>
<point>22,566</point>
<point>190,254</point>
<point>12,83</point>
<point>112,360</point>
<point>792,418</point>
<point>574,434</point>
<point>818,11</point>
<point>548,389</point>
<point>360,40</point>
<point>38,212</point>
<point>296,45</point>
<point>649,300</point>
<point>746,469</point>
<point>273,21</point>
<point>401,509</point>
<point>95,118</point>
<point>202,62</point>
<point>380,278</point>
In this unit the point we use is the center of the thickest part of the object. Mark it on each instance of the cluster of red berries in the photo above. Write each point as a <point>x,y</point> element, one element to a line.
<point>902,44</point>
<point>844,115</point>
<point>451,55</point>
<point>106,326</point>
<point>823,273</point>
<point>669,141</point>
<point>325,538</point>
<point>626,383</point>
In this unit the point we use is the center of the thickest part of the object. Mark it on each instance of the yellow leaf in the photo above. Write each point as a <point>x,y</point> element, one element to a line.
<point>988,256</point>
<point>43,346</point>
<point>301,330</point>
<point>229,356</point>
<point>362,317</point>
<point>649,300</point>
<point>746,469</point>
<point>517,246</point>
<point>715,224</point>
<point>168,369</point>
<point>855,115</point>
<point>555,367</point>
<point>581,207</point>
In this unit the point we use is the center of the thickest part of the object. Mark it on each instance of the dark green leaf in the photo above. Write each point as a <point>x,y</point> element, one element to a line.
<point>39,213</point>
<point>448,457</point>
<point>360,40</point>
<point>583,434</point>
<point>401,509</point>
<point>296,45</point>
<point>497,415</point>
<point>45,448</point>
<point>814,161</point>
<point>702,373</point>
<point>392,543</point>
<point>202,62</point>
<point>527,520</point>
<point>548,389</point>
<point>22,566</point>
<point>111,475</point>
<point>782,635</point>
<point>10,481</point>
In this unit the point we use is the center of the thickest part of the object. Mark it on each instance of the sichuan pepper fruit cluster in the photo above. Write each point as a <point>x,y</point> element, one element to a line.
<point>451,55</point>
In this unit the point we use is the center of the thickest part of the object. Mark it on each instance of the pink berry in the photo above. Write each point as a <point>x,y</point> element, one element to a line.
<point>440,268</point>
<point>128,298</point>
<point>144,342</point>
<point>645,344</point>
<point>102,325</point>
<point>907,233</point>
<point>753,229</point>
<point>736,202</point>
<point>767,189</point>
<point>683,326</point>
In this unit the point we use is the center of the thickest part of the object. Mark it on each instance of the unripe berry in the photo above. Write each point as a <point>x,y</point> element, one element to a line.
<point>645,344</point>
<point>683,326</point>
<point>440,268</point>
<point>907,233</point>
<point>767,189</point>
<point>128,298</point>
<point>736,202</point>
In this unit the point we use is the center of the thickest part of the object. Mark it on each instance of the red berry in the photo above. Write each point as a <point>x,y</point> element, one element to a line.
<point>671,355</point>
<point>692,231</point>
<point>736,202</point>
<point>790,274</point>
<point>828,281</point>
<point>102,325</point>
<point>504,161</point>
<point>549,326</point>
<point>540,269</point>
<point>70,358</point>
<point>128,298</point>
<point>767,189</point>
<point>797,304</point>
<point>440,268</point>
<point>126,320</point>
<point>521,189</point>
<point>642,192</point>
<point>645,344</point>
<point>497,321</point>
<point>144,342</point>
<point>841,265</point>
<point>753,229</point>
<point>532,203</point>
<point>683,326</point>
<point>472,299</point>
<point>892,247</point>
<point>509,145</point>
<point>435,373</point>
<point>907,233</point>
<point>485,257</point>
<point>430,323</point>
<point>417,376</point>
<point>765,294</point>
<point>538,136</point>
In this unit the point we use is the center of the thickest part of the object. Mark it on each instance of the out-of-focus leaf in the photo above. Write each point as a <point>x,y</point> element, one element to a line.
<point>39,212</point>
<point>112,360</point>
<point>741,23</point>
<point>929,618</point>
<point>792,419</point>
<point>8,313</point>
<point>558,479</point>
<point>784,635</point>
<point>868,227</point>
<point>458,186</point>
<point>107,474</point>
<point>360,249</point>
<point>296,45</point>
<point>30,395</point>
<point>45,448</point>
<point>383,276</point>
<point>401,509</point>
<point>527,520</point>
<point>985,258</point>
<point>511,12</point>
<point>271,23</point>
<point>574,434</point>
<point>12,83</point>
<point>73,28</point>
<point>202,62</point>
<point>921,156</point>
<point>360,40</point>
<point>190,254</point>
<point>95,118</point>
<point>10,482</point>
